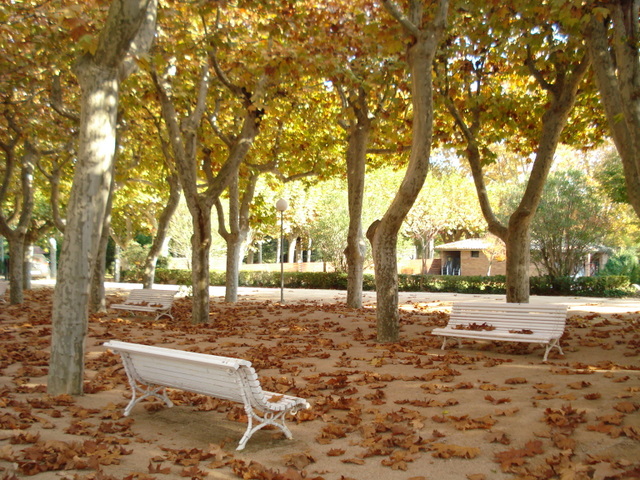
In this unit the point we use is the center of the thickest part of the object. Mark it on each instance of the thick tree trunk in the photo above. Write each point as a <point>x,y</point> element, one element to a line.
<point>383,234</point>
<point>99,77</point>
<point>161,233</point>
<point>617,74</point>
<point>16,268</point>
<point>356,165</point>
<point>200,245</point>
<point>88,203</point>
<point>518,254</point>
<point>383,238</point>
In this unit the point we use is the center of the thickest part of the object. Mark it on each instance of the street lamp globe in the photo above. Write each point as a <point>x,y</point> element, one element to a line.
<point>282,205</point>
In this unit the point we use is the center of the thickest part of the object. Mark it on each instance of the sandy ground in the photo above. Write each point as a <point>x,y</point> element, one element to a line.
<point>403,411</point>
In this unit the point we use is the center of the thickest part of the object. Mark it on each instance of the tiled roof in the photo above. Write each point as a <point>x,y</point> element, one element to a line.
<point>467,244</point>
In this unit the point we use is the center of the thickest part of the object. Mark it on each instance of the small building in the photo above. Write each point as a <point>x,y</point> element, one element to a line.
<point>470,257</point>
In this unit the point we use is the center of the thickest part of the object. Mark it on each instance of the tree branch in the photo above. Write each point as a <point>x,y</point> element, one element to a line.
<point>402,19</point>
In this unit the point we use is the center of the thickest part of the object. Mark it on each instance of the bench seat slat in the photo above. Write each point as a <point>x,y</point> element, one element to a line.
<point>150,369</point>
<point>546,322</point>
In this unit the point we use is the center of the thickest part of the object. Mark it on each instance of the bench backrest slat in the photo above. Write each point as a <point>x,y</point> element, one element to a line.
<point>515,316</point>
<point>222,377</point>
<point>143,295</point>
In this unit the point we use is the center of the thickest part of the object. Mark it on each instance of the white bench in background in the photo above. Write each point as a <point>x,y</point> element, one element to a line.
<point>151,369</point>
<point>3,289</point>
<point>148,300</point>
<point>509,322</point>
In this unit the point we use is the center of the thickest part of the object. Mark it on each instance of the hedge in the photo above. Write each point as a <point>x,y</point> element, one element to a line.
<point>600,286</point>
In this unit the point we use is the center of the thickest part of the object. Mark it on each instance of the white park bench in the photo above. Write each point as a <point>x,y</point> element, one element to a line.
<point>148,300</point>
<point>3,289</point>
<point>151,369</point>
<point>509,322</point>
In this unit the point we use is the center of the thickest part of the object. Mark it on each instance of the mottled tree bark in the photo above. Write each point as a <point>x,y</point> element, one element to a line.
<point>616,65</point>
<point>129,28</point>
<point>383,234</point>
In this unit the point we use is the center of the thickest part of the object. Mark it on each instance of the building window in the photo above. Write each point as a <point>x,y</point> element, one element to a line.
<point>475,254</point>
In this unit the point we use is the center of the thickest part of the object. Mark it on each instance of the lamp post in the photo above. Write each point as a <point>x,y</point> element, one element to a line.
<point>281,206</point>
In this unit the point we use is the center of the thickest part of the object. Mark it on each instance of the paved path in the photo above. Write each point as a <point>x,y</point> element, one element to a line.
<point>291,295</point>
<point>598,305</point>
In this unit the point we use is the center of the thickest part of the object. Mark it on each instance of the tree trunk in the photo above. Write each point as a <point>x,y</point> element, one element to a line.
<point>562,95</point>
<point>117,263</point>
<point>234,247</point>
<point>16,269</point>
<point>98,302</point>
<point>238,231</point>
<point>200,245</point>
<point>26,267</point>
<point>18,238</point>
<point>291,255</point>
<point>87,205</point>
<point>279,250</point>
<point>99,77</point>
<point>617,74</point>
<point>161,234</point>
<point>383,234</point>
<point>185,142</point>
<point>356,165</point>
<point>518,253</point>
<point>383,238</point>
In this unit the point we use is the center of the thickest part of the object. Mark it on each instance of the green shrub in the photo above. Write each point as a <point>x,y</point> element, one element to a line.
<point>599,286</point>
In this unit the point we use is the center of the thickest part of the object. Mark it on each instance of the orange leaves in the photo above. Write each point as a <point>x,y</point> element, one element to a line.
<point>626,407</point>
<point>398,460</point>
<point>515,381</point>
<point>442,450</point>
<point>496,401</point>
<point>518,456</point>
<point>44,456</point>
<point>406,410</point>
<point>331,432</point>
<point>565,419</point>
<point>299,461</point>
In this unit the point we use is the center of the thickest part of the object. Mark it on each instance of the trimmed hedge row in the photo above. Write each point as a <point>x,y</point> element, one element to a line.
<point>601,286</point>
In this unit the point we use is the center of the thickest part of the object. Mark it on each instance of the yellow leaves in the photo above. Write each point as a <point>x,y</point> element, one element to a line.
<point>88,44</point>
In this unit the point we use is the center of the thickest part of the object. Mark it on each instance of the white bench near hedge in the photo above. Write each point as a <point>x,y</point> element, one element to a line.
<point>148,300</point>
<point>151,369</point>
<point>509,322</point>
